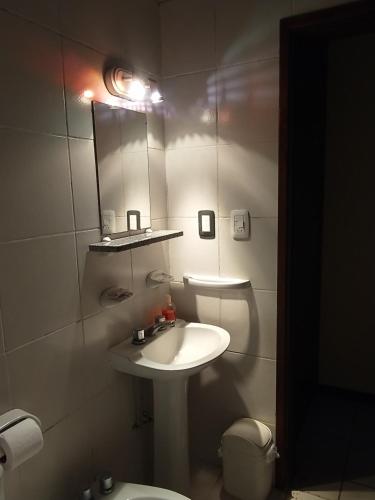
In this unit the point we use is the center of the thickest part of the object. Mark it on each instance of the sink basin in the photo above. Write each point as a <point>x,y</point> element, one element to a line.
<point>169,359</point>
<point>179,352</point>
<point>130,491</point>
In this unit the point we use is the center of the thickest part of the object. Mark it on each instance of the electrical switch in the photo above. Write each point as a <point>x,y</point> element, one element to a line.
<point>240,224</point>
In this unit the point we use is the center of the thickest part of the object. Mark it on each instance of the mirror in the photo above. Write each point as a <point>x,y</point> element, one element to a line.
<point>122,169</point>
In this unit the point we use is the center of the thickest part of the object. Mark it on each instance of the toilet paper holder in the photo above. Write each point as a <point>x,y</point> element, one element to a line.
<point>12,418</point>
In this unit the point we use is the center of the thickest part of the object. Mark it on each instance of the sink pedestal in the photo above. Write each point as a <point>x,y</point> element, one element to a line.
<point>169,359</point>
<point>171,451</point>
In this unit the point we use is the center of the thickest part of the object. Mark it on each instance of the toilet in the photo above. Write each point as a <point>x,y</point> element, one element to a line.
<point>131,491</point>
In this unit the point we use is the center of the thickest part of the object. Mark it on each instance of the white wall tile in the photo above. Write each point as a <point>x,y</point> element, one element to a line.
<point>254,259</point>
<point>234,386</point>
<point>155,127</point>
<point>145,221</point>
<point>187,36</point>
<point>44,12</point>
<point>111,422</point>
<point>56,388</point>
<point>138,43</point>
<point>248,30</point>
<point>101,332</point>
<point>196,306</point>
<point>31,94</point>
<point>146,259</point>
<point>39,287</point>
<point>4,386</point>
<point>141,37</point>
<point>118,447</point>
<point>248,178</point>
<point>83,70</point>
<point>35,186</point>
<point>94,23</point>
<point>85,193</point>
<point>63,468</point>
<point>192,181</point>
<point>254,386</point>
<point>250,318</point>
<point>158,184</point>
<point>159,224</point>
<point>38,277</point>
<point>248,103</point>
<point>110,327</point>
<point>301,6</point>
<point>190,110</point>
<point>190,253</point>
<point>99,270</point>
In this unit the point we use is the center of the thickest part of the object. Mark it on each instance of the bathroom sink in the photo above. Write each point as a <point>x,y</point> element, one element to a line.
<point>181,351</point>
<point>169,359</point>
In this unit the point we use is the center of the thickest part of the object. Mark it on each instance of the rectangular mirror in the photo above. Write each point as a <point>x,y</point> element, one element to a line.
<point>122,169</point>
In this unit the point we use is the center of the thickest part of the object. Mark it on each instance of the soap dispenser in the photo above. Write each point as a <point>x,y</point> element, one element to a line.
<point>169,310</point>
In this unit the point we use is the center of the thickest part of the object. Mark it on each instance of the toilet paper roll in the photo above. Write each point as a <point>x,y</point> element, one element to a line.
<point>21,442</point>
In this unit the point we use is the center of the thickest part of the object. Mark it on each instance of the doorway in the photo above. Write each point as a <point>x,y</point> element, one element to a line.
<point>310,212</point>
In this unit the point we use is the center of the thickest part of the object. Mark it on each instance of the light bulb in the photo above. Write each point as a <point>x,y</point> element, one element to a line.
<point>156,97</point>
<point>88,94</point>
<point>137,90</point>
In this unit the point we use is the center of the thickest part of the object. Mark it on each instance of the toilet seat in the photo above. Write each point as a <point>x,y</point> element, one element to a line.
<point>131,491</point>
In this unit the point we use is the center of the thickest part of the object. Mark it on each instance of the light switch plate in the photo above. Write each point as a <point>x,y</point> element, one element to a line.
<point>133,219</point>
<point>240,224</point>
<point>206,223</point>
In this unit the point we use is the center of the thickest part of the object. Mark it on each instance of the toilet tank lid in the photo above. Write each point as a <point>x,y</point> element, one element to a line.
<point>251,431</point>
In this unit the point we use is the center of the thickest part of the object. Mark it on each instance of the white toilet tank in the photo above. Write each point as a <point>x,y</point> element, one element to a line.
<point>248,454</point>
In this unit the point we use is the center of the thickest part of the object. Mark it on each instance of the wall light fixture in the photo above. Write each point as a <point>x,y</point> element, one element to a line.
<point>123,83</point>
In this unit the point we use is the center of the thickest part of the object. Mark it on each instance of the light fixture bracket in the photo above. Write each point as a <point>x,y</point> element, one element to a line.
<point>117,81</point>
<point>125,84</point>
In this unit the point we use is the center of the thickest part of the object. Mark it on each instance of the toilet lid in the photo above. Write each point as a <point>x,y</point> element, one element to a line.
<point>251,431</point>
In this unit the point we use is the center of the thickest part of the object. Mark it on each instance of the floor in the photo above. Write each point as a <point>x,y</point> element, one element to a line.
<point>336,450</point>
<point>336,455</point>
<point>207,484</point>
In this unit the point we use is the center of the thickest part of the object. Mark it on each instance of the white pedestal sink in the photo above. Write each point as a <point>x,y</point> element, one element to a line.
<point>169,359</point>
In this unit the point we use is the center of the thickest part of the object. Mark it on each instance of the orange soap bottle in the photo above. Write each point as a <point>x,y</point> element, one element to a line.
<point>169,310</point>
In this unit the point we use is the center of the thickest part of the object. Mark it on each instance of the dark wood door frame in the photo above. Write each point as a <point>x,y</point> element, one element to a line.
<point>314,32</point>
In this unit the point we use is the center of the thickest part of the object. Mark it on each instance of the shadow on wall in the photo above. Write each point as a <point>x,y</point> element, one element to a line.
<point>123,444</point>
<point>247,95</point>
<point>242,99</point>
<point>216,394</point>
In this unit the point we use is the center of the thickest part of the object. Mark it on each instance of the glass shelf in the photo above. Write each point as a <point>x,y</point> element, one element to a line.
<point>138,240</point>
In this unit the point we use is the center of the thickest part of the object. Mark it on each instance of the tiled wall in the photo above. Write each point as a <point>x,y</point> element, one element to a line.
<point>54,334</point>
<point>220,63</point>
<point>221,67</point>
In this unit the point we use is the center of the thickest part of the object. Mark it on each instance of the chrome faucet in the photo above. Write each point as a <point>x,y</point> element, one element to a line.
<point>140,334</point>
<point>159,325</point>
